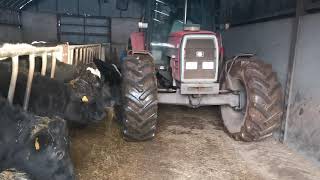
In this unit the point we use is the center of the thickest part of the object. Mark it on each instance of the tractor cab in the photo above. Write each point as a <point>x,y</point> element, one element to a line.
<point>178,43</point>
<point>172,27</point>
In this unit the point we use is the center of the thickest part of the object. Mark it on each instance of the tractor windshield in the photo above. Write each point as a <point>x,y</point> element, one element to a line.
<point>167,16</point>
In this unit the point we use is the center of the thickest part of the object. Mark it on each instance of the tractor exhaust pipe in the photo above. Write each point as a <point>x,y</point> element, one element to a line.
<point>185,11</point>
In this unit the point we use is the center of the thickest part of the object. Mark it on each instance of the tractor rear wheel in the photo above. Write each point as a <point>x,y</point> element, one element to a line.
<point>261,99</point>
<point>139,98</point>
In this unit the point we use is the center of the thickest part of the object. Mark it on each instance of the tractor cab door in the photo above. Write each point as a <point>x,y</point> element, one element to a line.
<point>163,15</point>
<point>167,16</point>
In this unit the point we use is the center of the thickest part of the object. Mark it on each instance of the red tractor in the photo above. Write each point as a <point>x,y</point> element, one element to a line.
<point>174,62</point>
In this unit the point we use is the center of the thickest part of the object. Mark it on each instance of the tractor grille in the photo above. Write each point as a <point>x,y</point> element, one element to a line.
<point>200,59</point>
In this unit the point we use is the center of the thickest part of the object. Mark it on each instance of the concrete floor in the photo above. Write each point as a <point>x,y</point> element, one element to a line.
<point>190,144</point>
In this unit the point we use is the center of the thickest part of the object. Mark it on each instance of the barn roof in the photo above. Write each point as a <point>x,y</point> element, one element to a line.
<point>14,4</point>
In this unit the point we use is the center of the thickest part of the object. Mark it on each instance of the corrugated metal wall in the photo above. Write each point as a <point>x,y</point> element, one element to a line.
<point>88,7</point>
<point>248,11</point>
<point>84,29</point>
<point>303,124</point>
<point>10,24</point>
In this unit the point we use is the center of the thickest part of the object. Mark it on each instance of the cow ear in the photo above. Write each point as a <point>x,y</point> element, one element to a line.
<point>101,65</point>
<point>37,144</point>
<point>41,141</point>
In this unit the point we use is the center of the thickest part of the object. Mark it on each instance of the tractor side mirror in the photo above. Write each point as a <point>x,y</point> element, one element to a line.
<point>122,5</point>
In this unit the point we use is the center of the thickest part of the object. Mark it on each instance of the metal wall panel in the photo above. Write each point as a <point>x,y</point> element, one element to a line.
<point>84,29</point>
<point>88,7</point>
<point>67,6</point>
<point>47,6</point>
<point>312,4</point>
<point>248,11</point>
<point>109,9</point>
<point>269,40</point>
<point>303,124</point>
<point>71,29</point>
<point>39,27</point>
<point>75,39</point>
<point>10,34</point>
<point>75,20</point>
<point>8,17</point>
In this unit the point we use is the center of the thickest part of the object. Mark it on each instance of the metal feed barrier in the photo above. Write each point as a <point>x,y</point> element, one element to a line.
<point>75,55</point>
<point>83,54</point>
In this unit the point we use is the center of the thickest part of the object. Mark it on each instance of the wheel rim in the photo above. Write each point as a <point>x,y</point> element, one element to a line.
<point>234,118</point>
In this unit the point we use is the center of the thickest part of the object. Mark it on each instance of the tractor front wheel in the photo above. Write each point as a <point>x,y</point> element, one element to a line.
<point>139,98</point>
<point>261,99</point>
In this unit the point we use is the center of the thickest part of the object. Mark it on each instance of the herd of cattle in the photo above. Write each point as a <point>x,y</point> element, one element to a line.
<point>35,144</point>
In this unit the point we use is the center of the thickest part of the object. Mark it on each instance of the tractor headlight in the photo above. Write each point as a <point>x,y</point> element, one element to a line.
<point>208,65</point>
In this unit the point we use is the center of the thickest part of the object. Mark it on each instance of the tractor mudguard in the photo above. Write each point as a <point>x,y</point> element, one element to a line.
<point>137,42</point>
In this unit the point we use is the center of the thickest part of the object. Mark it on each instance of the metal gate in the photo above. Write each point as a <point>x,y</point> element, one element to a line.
<point>84,29</point>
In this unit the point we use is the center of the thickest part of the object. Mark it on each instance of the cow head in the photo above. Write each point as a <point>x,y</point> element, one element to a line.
<point>111,77</point>
<point>85,103</point>
<point>109,72</point>
<point>46,155</point>
<point>38,146</point>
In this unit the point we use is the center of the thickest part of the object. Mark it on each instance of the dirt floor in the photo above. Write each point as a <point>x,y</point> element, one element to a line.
<point>190,144</point>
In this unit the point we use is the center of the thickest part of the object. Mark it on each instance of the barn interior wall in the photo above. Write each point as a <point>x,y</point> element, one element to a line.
<point>302,130</point>
<point>10,30</point>
<point>244,11</point>
<point>32,27</point>
<point>39,27</point>
<point>88,7</point>
<point>123,22</point>
<point>271,42</point>
<point>10,33</point>
<point>122,28</point>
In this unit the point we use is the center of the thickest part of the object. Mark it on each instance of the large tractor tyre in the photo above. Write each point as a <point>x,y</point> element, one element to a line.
<point>139,98</point>
<point>261,99</point>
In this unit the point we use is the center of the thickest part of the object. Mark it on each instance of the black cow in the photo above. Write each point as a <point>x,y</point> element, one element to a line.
<point>104,76</point>
<point>109,72</point>
<point>111,78</point>
<point>77,101</point>
<point>38,146</point>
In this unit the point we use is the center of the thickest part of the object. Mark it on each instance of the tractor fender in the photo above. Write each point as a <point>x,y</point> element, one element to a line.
<point>225,76</point>
<point>243,55</point>
<point>137,42</point>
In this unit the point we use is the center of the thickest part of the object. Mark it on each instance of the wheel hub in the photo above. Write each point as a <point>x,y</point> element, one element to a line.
<point>234,117</point>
